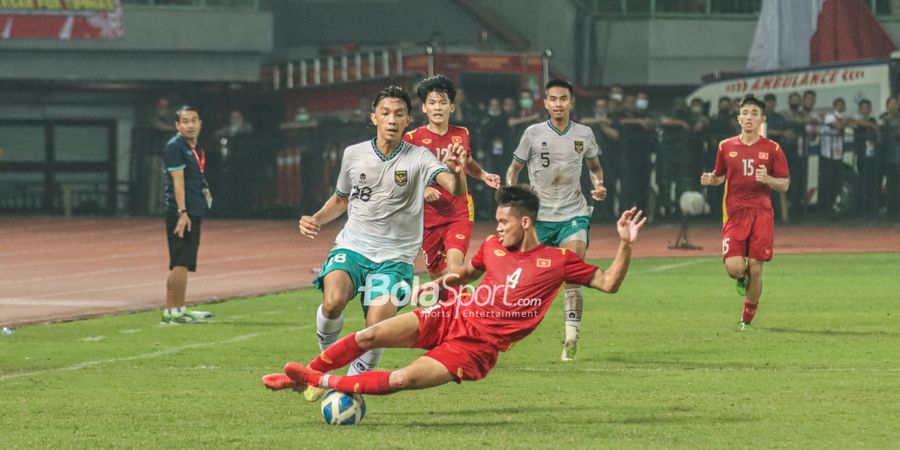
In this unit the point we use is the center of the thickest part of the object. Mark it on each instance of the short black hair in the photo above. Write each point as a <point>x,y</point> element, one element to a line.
<point>183,109</point>
<point>839,99</point>
<point>750,99</point>
<point>559,82</point>
<point>438,83</point>
<point>809,92</point>
<point>865,101</point>
<point>519,197</point>
<point>393,92</point>
<point>768,97</point>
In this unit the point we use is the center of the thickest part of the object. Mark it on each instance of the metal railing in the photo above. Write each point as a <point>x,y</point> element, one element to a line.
<point>701,8</point>
<point>195,4</point>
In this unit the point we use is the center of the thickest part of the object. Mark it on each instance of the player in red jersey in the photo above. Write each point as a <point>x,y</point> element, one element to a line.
<point>465,334</point>
<point>448,218</point>
<point>751,167</point>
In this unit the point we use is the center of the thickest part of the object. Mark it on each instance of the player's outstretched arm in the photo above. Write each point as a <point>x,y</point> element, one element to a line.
<point>476,171</point>
<point>596,173</point>
<point>335,206</point>
<point>628,226</point>
<point>455,161</point>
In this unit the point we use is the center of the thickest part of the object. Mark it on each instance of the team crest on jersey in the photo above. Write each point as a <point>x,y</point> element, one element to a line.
<point>426,141</point>
<point>362,177</point>
<point>541,262</point>
<point>732,154</point>
<point>401,177</point>
<point>460,236</point>
<point>499,253</point>
<point>763,155</point>
<point>543,145</point>
<point>579,146</point>
<point>456,139</point>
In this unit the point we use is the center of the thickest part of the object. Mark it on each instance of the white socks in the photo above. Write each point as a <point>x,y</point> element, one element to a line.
<point>573,305</point>
<point>328,330</point>
<point>366,362</point>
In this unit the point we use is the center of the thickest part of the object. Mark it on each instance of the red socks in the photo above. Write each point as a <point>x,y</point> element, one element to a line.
<point>374,382</point>
<point>749,311</point>
<point>340,354</point>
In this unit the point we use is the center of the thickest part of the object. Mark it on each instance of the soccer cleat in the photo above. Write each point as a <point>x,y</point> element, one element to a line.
<point>199,315</point>
<point>183,318</point>
<point>746,326</point>
<point>571,344</point>
<point>312,393</point>
<point>166,318</point>
<point>278,381</point>
<point>742,284</point>
<point>302,375</point>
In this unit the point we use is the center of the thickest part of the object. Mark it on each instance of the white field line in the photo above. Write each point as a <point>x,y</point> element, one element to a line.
<point>667,267</point>
<point>697,369</point>
<point>151,355</point>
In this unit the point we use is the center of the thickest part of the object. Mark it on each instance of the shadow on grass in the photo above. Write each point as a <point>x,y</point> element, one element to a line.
<point>549,415</point>
<point>832,332</point>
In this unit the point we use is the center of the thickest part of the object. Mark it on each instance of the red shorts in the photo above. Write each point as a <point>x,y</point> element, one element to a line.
<point>443,333</point>
<point>438,240</point>
<point>750,233</point>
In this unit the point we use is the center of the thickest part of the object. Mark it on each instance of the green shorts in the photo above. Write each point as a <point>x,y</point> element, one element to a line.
<point>552,233</point>
<point>369,278</point>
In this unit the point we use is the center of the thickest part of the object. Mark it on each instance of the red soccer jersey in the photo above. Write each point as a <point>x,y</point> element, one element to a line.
<point>448,207</point>
<point>517,289</point>
<point>738,162</point>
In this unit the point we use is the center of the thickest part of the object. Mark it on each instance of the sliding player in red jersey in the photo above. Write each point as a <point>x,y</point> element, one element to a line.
<point>464,334</point>
<point>744,163</point>
<point>448,218</point>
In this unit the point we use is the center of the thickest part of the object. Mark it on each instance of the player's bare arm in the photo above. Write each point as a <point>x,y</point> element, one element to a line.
<point>596,173</point>
<point>474,169</point>
<point>711,179</point>
<point>184,220</point>
<point>335,206</point>
<point>455,161</point>
<point>512,174</point>
<point>775,184</point>
<point>628,226</point>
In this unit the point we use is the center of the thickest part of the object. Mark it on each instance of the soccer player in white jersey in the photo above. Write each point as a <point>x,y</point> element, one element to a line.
<point>381,186</point>
<point>553,151</point>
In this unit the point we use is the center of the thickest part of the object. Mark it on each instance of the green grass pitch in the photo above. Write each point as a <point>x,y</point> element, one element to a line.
<point>661,364</point>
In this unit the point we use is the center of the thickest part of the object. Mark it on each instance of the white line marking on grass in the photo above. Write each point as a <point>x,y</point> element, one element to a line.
<point>157,354</point>
<point>131,331</point>
<point>696,369</point>
<point>93,339</point>
<point>667,267</point>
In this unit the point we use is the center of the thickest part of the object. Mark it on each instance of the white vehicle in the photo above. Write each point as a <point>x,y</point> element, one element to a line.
<point>872,80</point>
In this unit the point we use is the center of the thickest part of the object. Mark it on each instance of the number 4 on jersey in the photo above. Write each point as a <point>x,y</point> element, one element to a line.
<point>512,280</point>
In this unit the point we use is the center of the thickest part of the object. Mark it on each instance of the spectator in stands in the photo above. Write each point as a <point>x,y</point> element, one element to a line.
<point>831,155</point>
<point>890,132</point>
<point>638,139</point>
<point>236,126</point>
<point>496,137</point>
<point>159,128</point>
<point>868,151</point>
<point>672,157</point>
<point>616,96</point>
<point>778,129</point>
<point>791,144</point>
<point>607,130</point>
<point>233,164</point>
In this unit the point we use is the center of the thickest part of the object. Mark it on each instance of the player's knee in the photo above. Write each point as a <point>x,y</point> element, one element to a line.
<point>399,380</point>
<point>755,271</point>
<point>332,307</point>
<point>735,270</point>
<point>367,338</point>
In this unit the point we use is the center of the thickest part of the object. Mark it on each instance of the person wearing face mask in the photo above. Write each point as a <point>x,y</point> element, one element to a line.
<point>890,133</point>
<point>526,115</point>
<point>607,130</point>
<point>831,155</point>
<point>793,134</point>
<point>867,147</point>
<point>639,140</point>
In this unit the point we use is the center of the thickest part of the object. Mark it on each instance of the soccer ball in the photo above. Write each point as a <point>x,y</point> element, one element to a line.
<point>339,408</point>
<point>693,204</point>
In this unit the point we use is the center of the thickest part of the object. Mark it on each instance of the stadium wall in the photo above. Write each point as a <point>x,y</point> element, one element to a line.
<point>158,45</point>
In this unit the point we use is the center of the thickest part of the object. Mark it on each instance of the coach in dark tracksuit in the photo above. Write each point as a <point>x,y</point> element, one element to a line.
<point>187,201</point>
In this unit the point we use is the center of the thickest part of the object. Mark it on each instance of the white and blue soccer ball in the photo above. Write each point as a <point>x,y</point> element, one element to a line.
<point>339,408</point>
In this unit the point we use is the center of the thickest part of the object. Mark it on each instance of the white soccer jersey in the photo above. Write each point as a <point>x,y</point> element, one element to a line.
<point>554,159</point>
<point>387,200</point>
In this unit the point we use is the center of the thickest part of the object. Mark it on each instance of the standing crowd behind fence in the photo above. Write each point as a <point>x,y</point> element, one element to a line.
<point>844,158</point>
